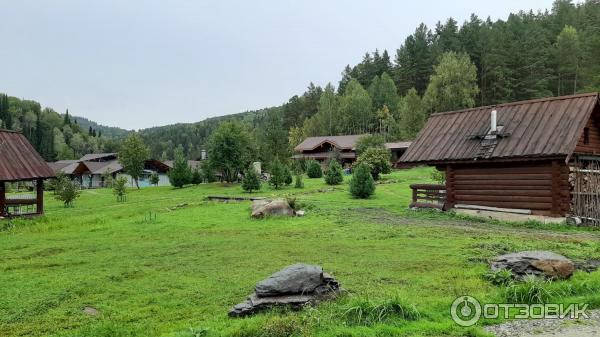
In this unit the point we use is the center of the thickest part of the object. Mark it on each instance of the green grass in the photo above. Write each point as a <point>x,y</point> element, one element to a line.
<point>179,274</point>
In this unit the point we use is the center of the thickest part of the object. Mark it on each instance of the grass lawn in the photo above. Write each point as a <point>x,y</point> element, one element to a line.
<point>179,274</point>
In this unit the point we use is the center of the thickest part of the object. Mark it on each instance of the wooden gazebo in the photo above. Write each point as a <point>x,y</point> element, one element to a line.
<point>19,162</point>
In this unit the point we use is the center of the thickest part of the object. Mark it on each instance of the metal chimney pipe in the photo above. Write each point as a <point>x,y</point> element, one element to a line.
<point>493,124</point>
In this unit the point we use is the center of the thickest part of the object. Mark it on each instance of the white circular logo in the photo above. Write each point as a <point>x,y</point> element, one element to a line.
<point>465,310</point>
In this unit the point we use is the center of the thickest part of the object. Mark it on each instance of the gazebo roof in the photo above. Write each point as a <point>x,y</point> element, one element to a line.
<point>19,160</point>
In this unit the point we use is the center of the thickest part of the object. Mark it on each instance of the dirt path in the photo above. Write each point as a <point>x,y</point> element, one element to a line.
<point>550,327</point>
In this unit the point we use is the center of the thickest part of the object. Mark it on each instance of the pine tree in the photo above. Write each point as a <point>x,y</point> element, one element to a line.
<point>251,181</point>
<point>362,184</point>
<point>278,176</point>
<point>313,169</point>
<point>181,173</point>
<point>67,119</point>
<point>334,174</point>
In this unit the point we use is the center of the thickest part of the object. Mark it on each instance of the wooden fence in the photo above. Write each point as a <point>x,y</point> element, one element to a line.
<point>428,196</point>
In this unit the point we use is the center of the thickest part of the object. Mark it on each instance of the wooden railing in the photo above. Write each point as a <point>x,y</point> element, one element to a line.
<point>428,196</point>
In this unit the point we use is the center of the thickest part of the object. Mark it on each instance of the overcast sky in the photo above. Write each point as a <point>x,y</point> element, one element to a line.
<point>137,64</point>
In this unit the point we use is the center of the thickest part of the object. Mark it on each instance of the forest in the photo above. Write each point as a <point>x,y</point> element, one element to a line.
<point>450,66</point>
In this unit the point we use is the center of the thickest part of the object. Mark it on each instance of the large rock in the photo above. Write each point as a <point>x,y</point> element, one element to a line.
<point>263,208</point>
<point>537,263</point>
<point>296,279</point>
<point>295,286</point>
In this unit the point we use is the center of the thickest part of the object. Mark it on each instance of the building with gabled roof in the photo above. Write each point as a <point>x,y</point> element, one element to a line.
<point>19,161</point>
<point>512,156</point>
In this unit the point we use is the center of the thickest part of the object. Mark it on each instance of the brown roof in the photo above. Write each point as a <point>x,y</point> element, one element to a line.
<point>321,155</point>
<point>548,127</point>
<point>398,145</point>
<point>64,166</point>
<point>96,156</point>
<point>19,160</point>
<point>347,142</point>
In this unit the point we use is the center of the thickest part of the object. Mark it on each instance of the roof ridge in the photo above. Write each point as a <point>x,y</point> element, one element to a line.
<point>536,100</point>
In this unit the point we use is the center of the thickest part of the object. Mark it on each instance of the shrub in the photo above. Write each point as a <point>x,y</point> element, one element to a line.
<point>154,179</point>
<point>67,191</point>
<point>439,177</point>
<point>377,159</point>
<point>531,290</point>
<point>196,176</point>
<point>363,311</point>
<point>120,188</point>
<point>299,183</point>
<point>181,173</point>
<point>334,174</point>
<point>502,277</point>
<point>362,184</point>
<point>278,175</point>
<point>208,172</point>
<point>287,175</point>
<point>313,169</point>
<point>251,181</point>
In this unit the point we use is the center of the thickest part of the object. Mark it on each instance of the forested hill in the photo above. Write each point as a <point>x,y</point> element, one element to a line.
<point>108,131</point>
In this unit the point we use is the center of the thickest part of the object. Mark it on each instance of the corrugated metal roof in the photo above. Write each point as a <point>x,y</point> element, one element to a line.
<point>19,160</point>
<point>193,164</point>
<point>347,142</point>
<point>548,127</point>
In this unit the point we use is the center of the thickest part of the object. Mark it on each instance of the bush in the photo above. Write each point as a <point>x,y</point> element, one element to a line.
<point>120,188</point>
<point>299,183</point>
<point>502,277</point>
<point>377,159</point>
<point>67,190</point>
<point>181,173</point>
<point>208,173</point>
<point>196,176</point>
<point>438,176</point>
<point>334,174</point>
<point>531,290</point>
<point>313,169</point>
<point>154,179</point>
<point>362,184</point>
<point>278,175</point>
<point>251,180</point>
<point>366,312</point>
<point>287,175</point>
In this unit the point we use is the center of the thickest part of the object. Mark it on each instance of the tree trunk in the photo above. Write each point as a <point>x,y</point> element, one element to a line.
<point>136,183</point>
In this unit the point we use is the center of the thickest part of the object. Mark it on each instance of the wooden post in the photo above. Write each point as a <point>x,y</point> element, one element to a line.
<point>39,196</point>
<point>414,195</point>
<point>2,198</point>
<point>556,197</point>
<point>450,187</point>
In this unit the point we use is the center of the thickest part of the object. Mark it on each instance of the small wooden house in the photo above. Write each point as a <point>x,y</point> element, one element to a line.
<point>533,157</point>
<point>19,162</point>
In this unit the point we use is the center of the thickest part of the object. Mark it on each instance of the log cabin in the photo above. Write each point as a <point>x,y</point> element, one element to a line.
<point>522,157</point>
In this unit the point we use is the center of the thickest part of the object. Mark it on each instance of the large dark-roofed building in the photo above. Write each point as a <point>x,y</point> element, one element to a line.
<point>516,155</point>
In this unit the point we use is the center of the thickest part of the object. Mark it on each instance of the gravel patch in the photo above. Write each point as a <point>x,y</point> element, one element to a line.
<point>550,327</point>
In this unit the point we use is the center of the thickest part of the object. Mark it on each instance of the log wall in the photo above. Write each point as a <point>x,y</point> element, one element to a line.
<point>540,187</point>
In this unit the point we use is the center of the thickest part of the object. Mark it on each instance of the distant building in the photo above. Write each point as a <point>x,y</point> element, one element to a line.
<point>321,148</point>
<point>92,170</point>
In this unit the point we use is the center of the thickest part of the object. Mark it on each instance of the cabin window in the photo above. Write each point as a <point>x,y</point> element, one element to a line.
<point>586,136</point>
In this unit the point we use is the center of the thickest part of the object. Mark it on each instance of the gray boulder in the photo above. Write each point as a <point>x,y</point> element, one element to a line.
<point>537,263</point>
<point>264,208</point>
<point>294,286</point>
<point>296,279</point>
